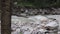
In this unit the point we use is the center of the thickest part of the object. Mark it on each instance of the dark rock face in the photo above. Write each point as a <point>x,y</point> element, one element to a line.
<point>32,12</point>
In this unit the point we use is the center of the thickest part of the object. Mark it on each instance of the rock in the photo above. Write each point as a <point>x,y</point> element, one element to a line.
<point>27,32</point>
<point>28,25</point>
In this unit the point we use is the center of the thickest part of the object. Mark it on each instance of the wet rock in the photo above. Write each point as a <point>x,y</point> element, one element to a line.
<point>31,25</point>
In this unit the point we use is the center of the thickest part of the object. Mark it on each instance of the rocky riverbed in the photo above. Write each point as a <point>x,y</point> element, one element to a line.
<point>27,26</point>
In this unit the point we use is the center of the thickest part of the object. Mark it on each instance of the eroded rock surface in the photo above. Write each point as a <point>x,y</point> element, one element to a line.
<point>31,25</point>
